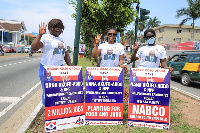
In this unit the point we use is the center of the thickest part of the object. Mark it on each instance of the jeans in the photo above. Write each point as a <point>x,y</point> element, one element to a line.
<point>41,75</point>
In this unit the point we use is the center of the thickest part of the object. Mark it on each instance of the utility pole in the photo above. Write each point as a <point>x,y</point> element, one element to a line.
<point>143,17</point>
<point>77,32</point>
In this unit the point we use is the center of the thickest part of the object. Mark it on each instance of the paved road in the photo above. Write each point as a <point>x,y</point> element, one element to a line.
<point>18,82</point>
<point>20,90</point>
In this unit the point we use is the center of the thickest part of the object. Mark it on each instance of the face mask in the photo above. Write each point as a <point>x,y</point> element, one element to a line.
<point>151,40</point>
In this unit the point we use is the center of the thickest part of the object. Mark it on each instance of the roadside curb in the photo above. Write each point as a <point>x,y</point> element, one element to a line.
<point>30,119</point>
<point>186,93</point>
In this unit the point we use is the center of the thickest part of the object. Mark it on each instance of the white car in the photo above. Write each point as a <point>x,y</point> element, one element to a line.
<point>26,49</point>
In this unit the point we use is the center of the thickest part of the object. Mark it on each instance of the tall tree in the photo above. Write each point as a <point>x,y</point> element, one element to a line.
<point>191,13</point>
<point>153,22</point>
<point>99,15</point>
<point>130,36</point>
<point>141,27</point>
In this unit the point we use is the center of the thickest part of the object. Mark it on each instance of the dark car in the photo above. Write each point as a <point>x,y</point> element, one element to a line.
<point>186,66</point>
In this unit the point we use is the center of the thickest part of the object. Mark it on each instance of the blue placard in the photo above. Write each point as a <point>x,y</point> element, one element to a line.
<point>64,97</point>
<point>104,95</point>
<point>149,98</point>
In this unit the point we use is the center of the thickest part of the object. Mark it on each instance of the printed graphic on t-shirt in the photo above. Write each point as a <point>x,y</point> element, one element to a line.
<point>109,55</point>
<point>60,50</point>
<point>151,57</point>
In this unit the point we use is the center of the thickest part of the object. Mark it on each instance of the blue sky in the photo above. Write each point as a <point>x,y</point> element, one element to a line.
<point>165,11</point>
<point>34,12</point>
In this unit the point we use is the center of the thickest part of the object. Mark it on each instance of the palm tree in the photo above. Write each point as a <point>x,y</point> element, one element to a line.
<point>153,22</point>
<point>192,13</point>
<point>141,27</point>
<point>129,36</point>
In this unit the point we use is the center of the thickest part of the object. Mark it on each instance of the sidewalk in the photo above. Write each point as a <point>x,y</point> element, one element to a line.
<point>23,117</point>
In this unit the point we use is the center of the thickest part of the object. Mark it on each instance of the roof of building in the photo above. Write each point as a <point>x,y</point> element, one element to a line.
<point>12,25</point>
<point>176,26</point>
<point>29,34</point>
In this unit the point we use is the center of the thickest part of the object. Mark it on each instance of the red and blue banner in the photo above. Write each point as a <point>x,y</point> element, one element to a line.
<point>104,96</point>
<point>149,98</point>
<point>64,97</point>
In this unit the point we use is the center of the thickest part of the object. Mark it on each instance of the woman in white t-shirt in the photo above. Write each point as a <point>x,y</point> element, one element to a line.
<point>151,55</point>
<point>112,53</point>
<point>54,49</point>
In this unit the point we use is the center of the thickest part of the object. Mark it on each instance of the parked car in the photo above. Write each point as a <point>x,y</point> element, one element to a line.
<point>12,48</point>
<point>23,48</point>
<point>186,66</point>
<point>19,50</point>
<point>26,49</point>
<point>7,49</point>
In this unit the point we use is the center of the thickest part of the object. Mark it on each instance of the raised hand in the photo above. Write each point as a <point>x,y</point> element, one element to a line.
<point>97,38</point>
<point>42,28</point>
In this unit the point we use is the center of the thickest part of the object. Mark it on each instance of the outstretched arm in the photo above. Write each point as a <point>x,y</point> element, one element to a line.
<point>164,65</point>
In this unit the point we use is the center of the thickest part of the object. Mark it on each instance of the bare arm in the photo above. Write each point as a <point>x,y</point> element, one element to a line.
<point>164,65</point>
<point>67,59</point>
<point>96,52</point>
<point>135,49</point>
<point>37,44</point>
<point>121,62</point>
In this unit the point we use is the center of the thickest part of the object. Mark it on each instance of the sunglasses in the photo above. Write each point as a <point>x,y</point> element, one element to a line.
<point>110,34</point>
<point>148,37</point>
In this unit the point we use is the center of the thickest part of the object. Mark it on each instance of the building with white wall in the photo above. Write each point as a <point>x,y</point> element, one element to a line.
<point>11,30</point>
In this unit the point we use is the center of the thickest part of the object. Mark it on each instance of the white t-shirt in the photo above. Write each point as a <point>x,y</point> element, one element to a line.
<point>52,54</point>
<point>110,54</point>
<point>150,56</point>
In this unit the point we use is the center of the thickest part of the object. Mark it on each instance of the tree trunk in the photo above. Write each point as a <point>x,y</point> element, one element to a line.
<point>192,34</point>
